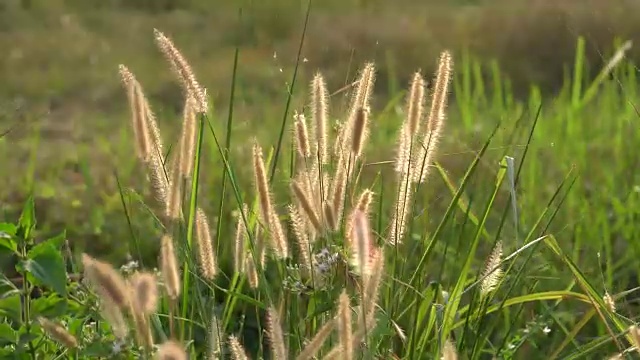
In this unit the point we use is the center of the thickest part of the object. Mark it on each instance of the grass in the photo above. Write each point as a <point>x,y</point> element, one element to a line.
<point>549,180</point>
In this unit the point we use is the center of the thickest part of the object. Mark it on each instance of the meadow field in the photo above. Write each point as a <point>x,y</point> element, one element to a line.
<point>334,180</point>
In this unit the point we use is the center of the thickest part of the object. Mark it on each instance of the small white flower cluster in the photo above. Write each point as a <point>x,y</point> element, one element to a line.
<point>324,261</point>
<point>130,267</point>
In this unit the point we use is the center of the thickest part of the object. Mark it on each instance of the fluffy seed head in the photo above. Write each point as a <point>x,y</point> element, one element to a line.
<point>312,348</point>
<point>305,201</point>
<point>609,302</point>
<point>276,338</point>
<point>449,351</point>
<point>302,136</point>
<point>169,266</point>
<point>415,104</point>
<point>182,70</point>
<point>240,240</point>
<point>171,350</point>
<point>359,131</point>
<point>299,231</point>
<point>492,273</point>
<point>346,336</point>
<point>58,333</point>
<point>109,284</point>
<point>204,243</point>
<point>237,351</point>
<point>361,243</point>
<point>188,138</point>
<point>319,114</point>
<point>145,291</point>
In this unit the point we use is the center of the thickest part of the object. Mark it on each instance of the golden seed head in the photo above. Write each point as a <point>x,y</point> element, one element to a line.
<point>171,350</point>
<point>107,281</point>
<point>145,288</point>
<point>169,267</point>
<point>58,333</point>
<point>204,243</point>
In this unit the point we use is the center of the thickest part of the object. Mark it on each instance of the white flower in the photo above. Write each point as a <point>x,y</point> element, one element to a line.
<point>546,330</point>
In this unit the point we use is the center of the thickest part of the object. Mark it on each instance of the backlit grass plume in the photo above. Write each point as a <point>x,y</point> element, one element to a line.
<point>58,333</point>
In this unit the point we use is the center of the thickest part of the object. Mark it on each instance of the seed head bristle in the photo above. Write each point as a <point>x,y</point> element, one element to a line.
<point>58,333</point>
<point>634,332</point>
<point>174,202</point>
<point>346,335</point>
<point>252,272</point>
<point>319,115</point>
<point>188,138</point>
<point>169,267</point>
<point>302,135</point>
<point>415,104</point>
<point>401,210</point>
<point>312,348</point>
<point>171,350</point>
<point>360,131</point>
<point>449,351</point>
<point>276,337</point>
<point>107,282</point>
<point>182,70</point>
<point>609,302</point>
<point>492,274</point>
<point>360,99</point>
<point>339,186</point>
<point>145,290</point>
<point>305,202</point>
<point>237,350</point>
<point>204,243</point>
<point>138,116</point>
<point>361,243</point>
<point>436,118</point>
<point>329,216</point>
<point>159,181</point>
<point>240,241</point>
<point>371,285</point>
<point>403,151</point>
<point>300,234</point>
<point>268,214</point>
<point>114,317</point>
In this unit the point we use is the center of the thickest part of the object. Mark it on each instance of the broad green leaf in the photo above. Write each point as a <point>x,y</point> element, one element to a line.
<point>51,306</point>
<point>55,241</point>
<point>7,334</point>
<point>10,307</point>
<point>47,266</point>
<point>27,221</point>
<point>7,229</point>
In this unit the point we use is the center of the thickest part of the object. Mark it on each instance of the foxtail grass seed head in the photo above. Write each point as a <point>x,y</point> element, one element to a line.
<point>449,351</point>
<point>401,210</point>
<point>268,214</point>
<point>252,271</point>
<point>302,136</point>
<point>204,243</point>
<point>403,151</point>
<point>159,181</point>
<point>240,241</point>
<point>169,267</point>
<point>436,116</point>
<point>609,302</point>
<point>361,243</point>
<point>171,350</point>
<point>330,216</point>
<point>305,202</point>
<point>319,115</point>
<point>339,186</point>
<point>492,274</point>
<point>634,332</point>
<point>145,291</point>
<point>415,104</point>
<point>107,281</point>
<point>371,285</point>
<point>359,131</point>
<point>145,127</point>
<point>182,70</point>
<point>276,337</point>
<point>237,350</point>
<point>302,238</point>
<point>361,99</point>
<point>312,348</point>
<point>188,139</point>
<point>346,335</point>
<point>174,202</point>
<point>114,317</point>
<point>58,333</point>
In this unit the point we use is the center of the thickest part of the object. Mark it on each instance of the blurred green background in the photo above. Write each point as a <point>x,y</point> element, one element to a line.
<point>70,134</point>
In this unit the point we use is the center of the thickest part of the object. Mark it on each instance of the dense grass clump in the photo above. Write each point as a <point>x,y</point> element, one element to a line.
<point>333,253</point>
